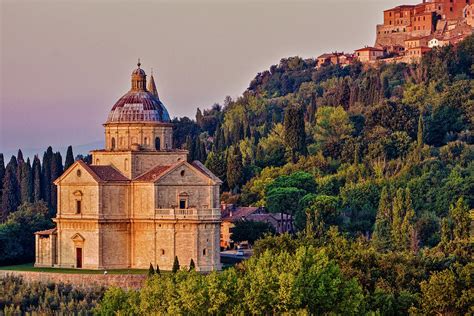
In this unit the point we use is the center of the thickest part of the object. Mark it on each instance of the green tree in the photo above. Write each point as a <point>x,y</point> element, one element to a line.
<point>36,173</point>
<point>332,127</point>
<point>17,233</point>
<point>158,271</point>
<point>217,164</point>
<point>26,182</point>
<point>192,265</point>
<point>408,232</point>
<point>69,158</point>
<point>295,135</point>
<point>459,213</point>
<point>175,265</point>
<point>151,270</point>
<point>2,175</point>
<point>11,190</point>
<point>248,230</point>
<point>397,219</point>
<point>382,231</point>
<point>234,168</point>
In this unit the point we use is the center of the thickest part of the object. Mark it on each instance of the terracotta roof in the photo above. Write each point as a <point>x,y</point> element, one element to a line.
<point>239,213</point>
<point>325,56</point>
<point>108,173</point>
<point>368,48</point>
<point>153,174</point>
<point>46,232</point>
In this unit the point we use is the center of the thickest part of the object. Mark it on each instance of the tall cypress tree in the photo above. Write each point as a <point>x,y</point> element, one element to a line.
<point>295,136</point>
<point>408,224</point>
<point>46,176</point>
<point>397,219</point>
<point>419,139</point>
<point>234,168</point>
<point>382,230</point>
<point>56,171</point>
<point>190,148</point>
<point>2,175</point>
<point>69,158</point>
<point>26,182</point>
<point>36,179</point>
<point>11,190</point>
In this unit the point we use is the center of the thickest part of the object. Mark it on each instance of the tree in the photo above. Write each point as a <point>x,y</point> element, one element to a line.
<point>158,271</point>
<point>284,200</point>
<point>17,233</point>
<point>382,231</point>
<point>247,230</point>
<point>151,270</point>
<point>295,136</point>
<point>332,127</point>
<point>419,139</point>
<point>192,265</point>
<point>175,265</point>
<point>408,231</point>
<point>36,174</point>
<point>459,213</point>
<point>2,175</point>
<point>26,184</point>
<point>56,172</point>
<point>69,158</point>
<point>216,163</point>
<point>234,168</point>
<point>11,190</point>
<point>397,220</point>
<point>46,176</point>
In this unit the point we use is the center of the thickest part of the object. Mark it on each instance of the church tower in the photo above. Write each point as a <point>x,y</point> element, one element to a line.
<point>138,131</point>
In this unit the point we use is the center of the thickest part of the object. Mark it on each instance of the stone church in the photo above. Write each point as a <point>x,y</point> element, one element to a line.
<point>139,202</point>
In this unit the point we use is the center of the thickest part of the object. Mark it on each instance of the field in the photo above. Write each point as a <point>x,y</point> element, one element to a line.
<point>29,267</point>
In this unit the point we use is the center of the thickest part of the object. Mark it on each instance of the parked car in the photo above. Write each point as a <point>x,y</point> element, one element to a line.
<point>240,253</point>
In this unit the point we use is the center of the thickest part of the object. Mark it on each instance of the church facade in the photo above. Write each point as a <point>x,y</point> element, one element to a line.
<point>139,202</point>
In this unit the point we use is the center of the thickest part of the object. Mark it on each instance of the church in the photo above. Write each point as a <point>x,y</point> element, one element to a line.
<point>139,202</point>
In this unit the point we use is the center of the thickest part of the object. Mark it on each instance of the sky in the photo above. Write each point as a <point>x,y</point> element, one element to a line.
<point>65,63</point>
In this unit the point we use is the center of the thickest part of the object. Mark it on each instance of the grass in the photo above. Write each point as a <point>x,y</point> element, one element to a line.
<point>31,268</point>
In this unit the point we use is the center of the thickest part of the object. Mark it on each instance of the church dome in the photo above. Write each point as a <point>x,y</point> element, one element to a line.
<point>139,105</point>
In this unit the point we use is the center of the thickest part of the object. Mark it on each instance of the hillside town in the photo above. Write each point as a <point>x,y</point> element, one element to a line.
<point>410,31</point>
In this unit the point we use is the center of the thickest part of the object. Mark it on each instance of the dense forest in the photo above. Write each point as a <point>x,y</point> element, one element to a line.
<point>374,163</point>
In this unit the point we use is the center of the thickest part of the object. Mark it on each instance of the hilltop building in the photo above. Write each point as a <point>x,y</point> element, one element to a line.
<point>139,202</point>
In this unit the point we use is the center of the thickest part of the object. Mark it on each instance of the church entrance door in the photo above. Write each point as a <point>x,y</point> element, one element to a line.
<point>78,257</point>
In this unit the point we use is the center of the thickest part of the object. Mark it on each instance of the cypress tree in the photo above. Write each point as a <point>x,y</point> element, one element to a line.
<point>151,270</point>
<point>382,230</point>
<point>69,158</point>
<point>199,118</point>
<point>2,175</point>
<point>217,164</point>
<point>36,179</point>
<point>202,152</point>
<point>175,265</point>
<point>158,270</point>
<point>56,172</point>
<point>46,176</point>
<point>190,148</point>
<point>408,224</point>
<point>11,190</point>
<point>19,168</point>
<point>397,219</point>
<point>26,182</point>
<point>295,136</point>
<point>234,168</point>
<point>419,139</point>
<point>192,265</point>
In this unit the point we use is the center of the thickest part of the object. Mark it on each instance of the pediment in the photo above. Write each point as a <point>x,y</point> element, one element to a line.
<point>78,238</point>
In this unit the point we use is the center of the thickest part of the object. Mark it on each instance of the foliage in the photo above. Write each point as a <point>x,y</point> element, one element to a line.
<point>247,230</point>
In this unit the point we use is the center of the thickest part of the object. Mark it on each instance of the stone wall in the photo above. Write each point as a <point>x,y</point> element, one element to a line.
<point>125,281</point>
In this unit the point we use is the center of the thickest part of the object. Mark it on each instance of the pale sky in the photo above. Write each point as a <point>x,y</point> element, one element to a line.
<point>65,63</point>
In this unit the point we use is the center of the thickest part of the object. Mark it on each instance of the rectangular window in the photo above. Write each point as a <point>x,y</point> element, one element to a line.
<point>78,207</point>
<point>182,203</point>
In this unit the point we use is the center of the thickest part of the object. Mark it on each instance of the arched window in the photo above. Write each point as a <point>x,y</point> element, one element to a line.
<point>113,143</point>
<point>157,143</point>
<point>78,201</point>
<point>146,141</point>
